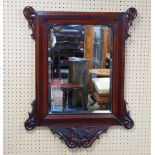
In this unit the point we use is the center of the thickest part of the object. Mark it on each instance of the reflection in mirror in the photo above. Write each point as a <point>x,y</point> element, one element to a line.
<point>79,68</point>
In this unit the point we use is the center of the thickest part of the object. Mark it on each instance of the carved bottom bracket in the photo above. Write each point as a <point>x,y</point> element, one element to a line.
<point>82,136</point>
<point>79,136</point>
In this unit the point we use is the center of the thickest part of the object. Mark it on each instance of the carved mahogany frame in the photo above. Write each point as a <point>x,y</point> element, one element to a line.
<point>79,129</point>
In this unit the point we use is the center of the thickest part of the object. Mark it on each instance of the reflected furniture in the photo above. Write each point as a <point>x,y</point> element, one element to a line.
<point>101,90</point>
<point>69,43</point>
<point>70,87</point>
<point>100,72</point>
<point>78,73</point>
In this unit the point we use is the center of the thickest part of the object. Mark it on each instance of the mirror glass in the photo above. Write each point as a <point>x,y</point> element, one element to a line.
<point>79,68</point>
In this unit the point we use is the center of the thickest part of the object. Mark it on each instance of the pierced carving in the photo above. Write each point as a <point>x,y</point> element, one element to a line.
<point>30,123</point>
<point>128,121</point>
<point>30,14</point>
<point>131,14</point>
<point>83,136</point>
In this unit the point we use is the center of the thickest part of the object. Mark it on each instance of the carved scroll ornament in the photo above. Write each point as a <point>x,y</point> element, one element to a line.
<point>131,14</point>
<point>79,136</point>
<point>29,14</point>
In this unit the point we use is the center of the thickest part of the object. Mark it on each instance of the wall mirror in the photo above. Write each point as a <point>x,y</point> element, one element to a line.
<point>80,61</point>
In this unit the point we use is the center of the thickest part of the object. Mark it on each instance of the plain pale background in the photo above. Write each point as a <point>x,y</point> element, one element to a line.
<point>19,82</point>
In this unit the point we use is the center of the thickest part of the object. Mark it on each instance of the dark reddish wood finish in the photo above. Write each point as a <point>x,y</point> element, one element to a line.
<point>119,23</point>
